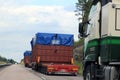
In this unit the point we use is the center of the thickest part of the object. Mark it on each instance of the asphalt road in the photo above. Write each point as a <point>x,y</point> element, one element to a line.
<point>19,72</point>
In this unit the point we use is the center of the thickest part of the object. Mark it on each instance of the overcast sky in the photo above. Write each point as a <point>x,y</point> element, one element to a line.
<point>20,20</point>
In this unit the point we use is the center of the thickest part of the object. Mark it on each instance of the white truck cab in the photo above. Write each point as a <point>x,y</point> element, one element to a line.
<point>102,41</point>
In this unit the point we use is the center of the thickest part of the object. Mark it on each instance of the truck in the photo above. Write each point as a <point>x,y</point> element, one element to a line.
<point>101,33</point>
<point>27,58</point>
<point>53,53</point>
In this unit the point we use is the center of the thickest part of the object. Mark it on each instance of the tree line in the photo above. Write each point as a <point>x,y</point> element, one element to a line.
<point>5,60</point>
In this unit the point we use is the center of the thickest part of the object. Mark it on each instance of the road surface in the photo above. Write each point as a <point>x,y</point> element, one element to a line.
<point>19,72</point>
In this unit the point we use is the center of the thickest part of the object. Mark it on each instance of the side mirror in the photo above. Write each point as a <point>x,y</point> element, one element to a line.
<point>82,30</point>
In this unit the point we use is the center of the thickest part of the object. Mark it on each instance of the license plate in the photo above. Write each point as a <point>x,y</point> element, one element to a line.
<point>62,70</point>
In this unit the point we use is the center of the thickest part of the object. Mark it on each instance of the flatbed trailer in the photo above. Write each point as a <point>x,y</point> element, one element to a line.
<point>53,58</point>
<point>59,69</point>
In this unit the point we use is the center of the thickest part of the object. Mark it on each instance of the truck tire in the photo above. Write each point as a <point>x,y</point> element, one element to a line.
<point>36,67</point>
<point>87,73</point>
<point>26,65</point>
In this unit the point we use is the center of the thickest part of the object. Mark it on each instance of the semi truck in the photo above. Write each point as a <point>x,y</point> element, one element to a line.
<point>53,53</point>
<point>27,58</point>
<point>101,33</point>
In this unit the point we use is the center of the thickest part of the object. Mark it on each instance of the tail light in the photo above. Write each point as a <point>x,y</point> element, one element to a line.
<point>38,59</point>
<point>72,61</point>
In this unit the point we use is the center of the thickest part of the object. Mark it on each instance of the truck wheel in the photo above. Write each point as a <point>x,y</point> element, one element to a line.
<point>87,75</point>
<point>26,65</point>
<point>36,67</point>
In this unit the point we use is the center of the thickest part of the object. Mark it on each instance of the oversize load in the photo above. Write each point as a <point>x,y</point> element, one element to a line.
<point>53,39</point>
<point>27,53</point>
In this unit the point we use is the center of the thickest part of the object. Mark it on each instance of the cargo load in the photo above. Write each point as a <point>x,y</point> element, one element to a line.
<point>27,58</point>
<point>53,39</point>
<point>53,53</point>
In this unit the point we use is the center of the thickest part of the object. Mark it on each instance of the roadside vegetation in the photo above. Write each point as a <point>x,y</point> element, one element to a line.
<point>78,54</point>
<point>4,60</point>
<point>79,63</point>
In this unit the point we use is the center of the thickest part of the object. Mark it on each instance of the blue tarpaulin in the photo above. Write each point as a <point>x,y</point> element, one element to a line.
<point>27,53</point>
<point>53,39</point>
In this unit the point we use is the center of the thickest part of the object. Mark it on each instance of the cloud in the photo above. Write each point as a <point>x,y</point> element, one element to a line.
<point>19,23</point>
<point>26,15</point>
<point>36,13</point>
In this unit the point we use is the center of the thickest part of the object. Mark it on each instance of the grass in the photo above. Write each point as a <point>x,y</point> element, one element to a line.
<point>1,62</point>
<point>80,67</point>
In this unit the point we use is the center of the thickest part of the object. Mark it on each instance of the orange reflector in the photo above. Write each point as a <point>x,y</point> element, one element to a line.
<point>38,59</point>
<point>75,69</point>
<point>72,61</point>
<point>50,68</point>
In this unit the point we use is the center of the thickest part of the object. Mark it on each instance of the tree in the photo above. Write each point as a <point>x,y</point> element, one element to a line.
<point>83,9</point>
<point>79,43</point>
<point>3,59</point>
<point>11,61</point>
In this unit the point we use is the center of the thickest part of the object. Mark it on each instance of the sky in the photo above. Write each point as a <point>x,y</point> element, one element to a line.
<point>20,20</point>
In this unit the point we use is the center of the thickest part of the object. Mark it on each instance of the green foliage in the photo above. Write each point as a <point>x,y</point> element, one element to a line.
<point>79,42</point>
<point>80,72</point>
<point>4,60</point>
<point>83,9</point>
<point>11,61</point>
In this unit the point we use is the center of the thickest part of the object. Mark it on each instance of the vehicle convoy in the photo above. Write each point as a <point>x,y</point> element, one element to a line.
<point>53,53</point>
<point>27,58</point>
<point>102,41</point>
